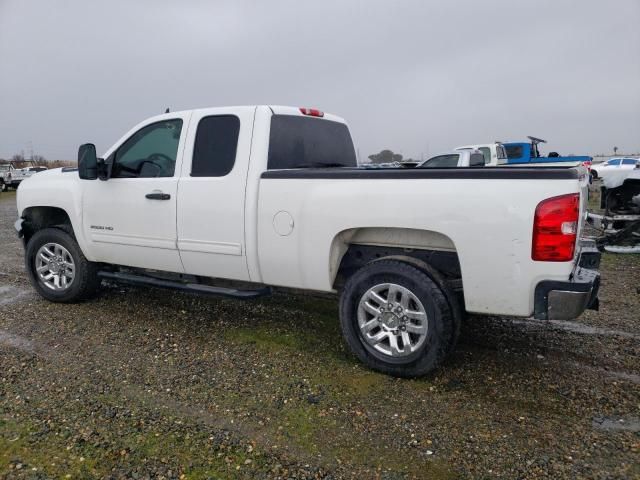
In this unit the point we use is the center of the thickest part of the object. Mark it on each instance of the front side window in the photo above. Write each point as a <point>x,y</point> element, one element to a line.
<point>214,152</point>
<point>613,163</point>
<point>441,161</point>
<point>150,152</point>
<point>501,153</point>
<point>629,161</point>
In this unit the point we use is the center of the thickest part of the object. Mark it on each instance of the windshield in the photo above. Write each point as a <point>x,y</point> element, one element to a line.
<point>441,161</point>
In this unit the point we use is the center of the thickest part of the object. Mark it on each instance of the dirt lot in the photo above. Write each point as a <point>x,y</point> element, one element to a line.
<point>143,383</point>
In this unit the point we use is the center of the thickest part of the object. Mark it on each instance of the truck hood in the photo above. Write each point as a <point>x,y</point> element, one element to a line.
<point>48,185</point>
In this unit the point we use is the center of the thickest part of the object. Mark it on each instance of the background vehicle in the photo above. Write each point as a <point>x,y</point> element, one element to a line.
<point>272,196</point>
<point>458,158</point>
<point>529,153</point>
<point>494,153</point>
<point>620,223</point>
<point>11,176</point>
<point>604,169</point>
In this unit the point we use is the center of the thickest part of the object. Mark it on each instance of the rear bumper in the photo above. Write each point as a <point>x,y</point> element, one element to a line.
<point>559,300</point>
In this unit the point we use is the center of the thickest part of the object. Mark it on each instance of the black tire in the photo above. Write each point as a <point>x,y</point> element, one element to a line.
<point>86,281</point>
<point>594,174</point>
<point>441,330</point>
<point>3,186</point>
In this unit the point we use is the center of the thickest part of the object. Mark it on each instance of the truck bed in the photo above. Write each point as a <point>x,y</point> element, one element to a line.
<point>485,215</point>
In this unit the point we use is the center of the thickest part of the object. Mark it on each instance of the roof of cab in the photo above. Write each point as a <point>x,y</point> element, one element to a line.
<point>276,109</point>
<point>284,110</point>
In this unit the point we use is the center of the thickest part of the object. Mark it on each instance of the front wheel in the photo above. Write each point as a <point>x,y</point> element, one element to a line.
<point>396,319</point>
<point>57,268</point>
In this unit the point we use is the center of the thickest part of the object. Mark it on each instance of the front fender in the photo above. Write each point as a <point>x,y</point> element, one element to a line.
<point>54,189</point>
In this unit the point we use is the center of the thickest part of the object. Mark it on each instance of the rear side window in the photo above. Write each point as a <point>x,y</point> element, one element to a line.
<point>441,161</point>
<point>614,162</point>
<point>306,142</point>
<point>214,151</point>
<point>513,151</point>
<point>629,161</point>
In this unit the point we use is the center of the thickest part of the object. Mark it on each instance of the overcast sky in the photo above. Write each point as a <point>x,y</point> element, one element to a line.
<point>417,77</point>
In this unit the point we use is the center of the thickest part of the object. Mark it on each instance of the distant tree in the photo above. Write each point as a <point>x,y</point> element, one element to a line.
<point>39,160</point>
<point>17,158</point>
<point>385,156</point>
<point>60,163</point>
<point>615,150</point>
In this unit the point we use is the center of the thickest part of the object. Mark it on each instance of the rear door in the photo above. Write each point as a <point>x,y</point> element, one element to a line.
<point>211,193</point>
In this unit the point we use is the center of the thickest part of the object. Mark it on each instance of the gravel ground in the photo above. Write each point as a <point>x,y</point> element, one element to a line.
<point>144,383</point>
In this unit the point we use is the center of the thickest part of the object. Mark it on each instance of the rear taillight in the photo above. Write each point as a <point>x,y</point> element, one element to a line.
<point>312,112</point>
<point>555,228</point>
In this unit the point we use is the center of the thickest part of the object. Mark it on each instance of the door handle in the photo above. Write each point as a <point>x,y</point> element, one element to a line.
<point>158,196</point>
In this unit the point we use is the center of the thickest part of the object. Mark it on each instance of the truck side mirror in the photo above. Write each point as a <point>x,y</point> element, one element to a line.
<point>104,168</point>
<point>87,162</point>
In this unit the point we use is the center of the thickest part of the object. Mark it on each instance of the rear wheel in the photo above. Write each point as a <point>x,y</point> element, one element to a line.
<point>57,268</point>
<point>396,319</point>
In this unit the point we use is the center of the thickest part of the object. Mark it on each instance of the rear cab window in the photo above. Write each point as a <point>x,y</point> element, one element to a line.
<point>309,142</point>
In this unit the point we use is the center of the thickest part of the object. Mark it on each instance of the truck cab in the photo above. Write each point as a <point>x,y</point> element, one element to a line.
<point>529,153</point>
<point>494,153</point>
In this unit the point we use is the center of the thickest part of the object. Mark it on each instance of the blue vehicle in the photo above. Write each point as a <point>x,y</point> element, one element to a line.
<point>528,152</point>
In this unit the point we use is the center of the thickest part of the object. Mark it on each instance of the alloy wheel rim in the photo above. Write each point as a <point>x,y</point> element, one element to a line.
<point>55,266</point>
<point>392,320</point>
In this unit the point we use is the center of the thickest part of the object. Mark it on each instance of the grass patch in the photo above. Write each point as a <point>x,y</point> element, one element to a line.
<point>616,260</point>
<point>24,445</point>
<point>308,429</point>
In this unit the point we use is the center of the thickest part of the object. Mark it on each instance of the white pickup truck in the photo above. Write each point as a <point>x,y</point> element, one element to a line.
<point>11,176</point>
<point>272,196</point>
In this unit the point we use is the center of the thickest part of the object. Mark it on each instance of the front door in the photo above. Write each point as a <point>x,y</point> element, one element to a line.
<point>130,219</point>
